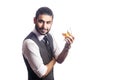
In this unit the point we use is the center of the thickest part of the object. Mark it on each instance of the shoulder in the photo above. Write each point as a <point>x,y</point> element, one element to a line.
<point>31,35</point>
<point>29,42</point>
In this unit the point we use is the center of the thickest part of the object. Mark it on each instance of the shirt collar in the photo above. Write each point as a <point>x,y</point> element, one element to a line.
<point>40,37</point>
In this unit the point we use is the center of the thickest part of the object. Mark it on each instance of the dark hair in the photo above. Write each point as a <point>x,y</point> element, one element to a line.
<point>44,10</point>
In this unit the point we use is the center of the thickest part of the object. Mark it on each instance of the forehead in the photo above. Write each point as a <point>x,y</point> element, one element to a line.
<point>45,17</point>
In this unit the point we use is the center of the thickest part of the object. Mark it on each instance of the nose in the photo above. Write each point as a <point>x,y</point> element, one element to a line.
<point>44,25</point>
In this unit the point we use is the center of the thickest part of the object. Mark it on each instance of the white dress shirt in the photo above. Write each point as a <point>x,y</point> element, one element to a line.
<point>31,51</point>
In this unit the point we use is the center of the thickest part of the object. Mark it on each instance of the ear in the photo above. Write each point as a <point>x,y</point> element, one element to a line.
<point>34,20</point>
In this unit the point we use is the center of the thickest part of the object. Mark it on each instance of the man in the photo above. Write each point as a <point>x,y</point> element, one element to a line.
<point>40,51</point>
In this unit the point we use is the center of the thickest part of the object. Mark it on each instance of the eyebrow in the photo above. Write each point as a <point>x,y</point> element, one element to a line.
<point>39,20</point>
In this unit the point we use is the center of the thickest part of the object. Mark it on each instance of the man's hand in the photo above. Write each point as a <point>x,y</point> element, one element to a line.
<point>69,38</point>
<point>50,66</point>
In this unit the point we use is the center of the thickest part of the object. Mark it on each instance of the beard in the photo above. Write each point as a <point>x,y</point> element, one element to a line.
<point>42,30</point>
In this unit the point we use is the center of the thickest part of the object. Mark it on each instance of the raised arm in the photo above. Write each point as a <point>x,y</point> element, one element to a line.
<point>64,53</point>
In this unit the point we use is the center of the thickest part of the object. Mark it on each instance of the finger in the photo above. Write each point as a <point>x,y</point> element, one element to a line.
<point>68,40</point>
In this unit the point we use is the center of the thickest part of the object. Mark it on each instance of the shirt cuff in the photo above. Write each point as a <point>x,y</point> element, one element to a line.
<point>42,70</point>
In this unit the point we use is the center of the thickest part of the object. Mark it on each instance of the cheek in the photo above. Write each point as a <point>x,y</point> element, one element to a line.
<point>39,25</point>
<point>49,25</point>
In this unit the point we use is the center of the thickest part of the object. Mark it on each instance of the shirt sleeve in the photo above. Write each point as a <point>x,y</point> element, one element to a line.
<point>31,53</point>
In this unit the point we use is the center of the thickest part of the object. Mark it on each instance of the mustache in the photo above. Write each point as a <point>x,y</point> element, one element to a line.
<point>42,28</point>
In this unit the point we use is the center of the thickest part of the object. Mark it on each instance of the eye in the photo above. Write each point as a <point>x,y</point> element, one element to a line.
<point>40,21</point>
<point>48,22</point>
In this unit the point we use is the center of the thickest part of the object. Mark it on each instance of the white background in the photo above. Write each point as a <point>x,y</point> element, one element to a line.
<point>95,53</point>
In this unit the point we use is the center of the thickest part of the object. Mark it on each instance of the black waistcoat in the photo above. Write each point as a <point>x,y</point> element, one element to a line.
<point>44,53</point>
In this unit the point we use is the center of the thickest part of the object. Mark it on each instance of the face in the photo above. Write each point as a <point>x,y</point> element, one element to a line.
<point>43,23</point>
